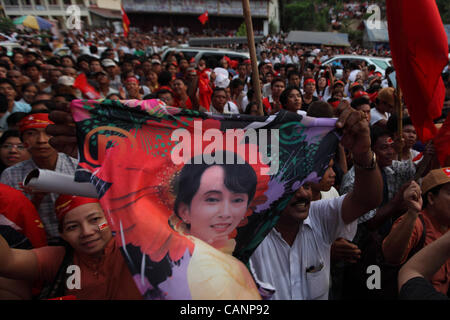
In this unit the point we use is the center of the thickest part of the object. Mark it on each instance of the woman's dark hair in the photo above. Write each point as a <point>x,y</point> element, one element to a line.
<point>285,94</point>
<point>239,178</point>
<point>7,134</point>
<point>249,106</point>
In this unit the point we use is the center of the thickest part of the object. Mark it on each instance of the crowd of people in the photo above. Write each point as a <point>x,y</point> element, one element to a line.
<point>329,233</point>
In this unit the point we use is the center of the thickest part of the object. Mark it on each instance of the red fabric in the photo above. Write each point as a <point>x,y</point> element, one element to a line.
<point>203,18</point>
<point>125,22</point>
<point>66,203</point>
<point>36,120</point>
<point>419,51</point>
<point>82,84</point>
<point>19,210</point>
<point>204,90</point>
<point>266,103</point>
<point>442,143</point>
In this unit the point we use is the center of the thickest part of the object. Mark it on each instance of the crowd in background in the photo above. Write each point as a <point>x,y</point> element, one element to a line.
<point>34,79</point>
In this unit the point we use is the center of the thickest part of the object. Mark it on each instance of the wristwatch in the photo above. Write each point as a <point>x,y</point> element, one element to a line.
<point>372,164</point>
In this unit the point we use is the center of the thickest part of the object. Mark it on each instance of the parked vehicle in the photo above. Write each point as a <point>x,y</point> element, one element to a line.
<point>341,61</point>
<point>206,53</point>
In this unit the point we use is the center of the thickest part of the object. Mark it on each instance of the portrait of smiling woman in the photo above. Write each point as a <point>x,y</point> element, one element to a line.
<point>211,201</point>
<point>217,198</point>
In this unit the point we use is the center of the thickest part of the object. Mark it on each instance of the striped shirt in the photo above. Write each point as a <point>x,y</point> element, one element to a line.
<point>13,175</point>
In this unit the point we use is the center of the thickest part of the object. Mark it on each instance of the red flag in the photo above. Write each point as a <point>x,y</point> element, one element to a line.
<point>419,51</point>
<point>204,17</point>
<point>125,22</point>
<point>86,89</point>
<point>442,143</point>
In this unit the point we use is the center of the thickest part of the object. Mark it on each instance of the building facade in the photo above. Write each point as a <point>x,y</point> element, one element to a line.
<point>223,14</point>
<point>94,13</point>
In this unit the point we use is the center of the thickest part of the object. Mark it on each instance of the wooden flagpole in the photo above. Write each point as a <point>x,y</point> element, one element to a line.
<point>399,110</point>
<point>252,50</point>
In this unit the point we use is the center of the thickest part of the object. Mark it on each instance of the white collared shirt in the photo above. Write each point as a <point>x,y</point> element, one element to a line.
<point>285,267</point>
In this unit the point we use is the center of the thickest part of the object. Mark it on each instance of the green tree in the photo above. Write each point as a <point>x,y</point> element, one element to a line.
<point>242,31</point>
<point>6,25</point>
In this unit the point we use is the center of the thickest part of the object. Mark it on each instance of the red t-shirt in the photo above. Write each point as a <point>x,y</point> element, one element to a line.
<point>105,279</point>
<point>441,278</point>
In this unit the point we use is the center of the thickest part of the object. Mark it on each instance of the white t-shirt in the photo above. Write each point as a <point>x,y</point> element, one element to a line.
<point>376,116</point>
<point>302,272</point>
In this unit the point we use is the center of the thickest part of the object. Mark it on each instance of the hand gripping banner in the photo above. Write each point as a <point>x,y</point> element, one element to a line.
<point>190,195</point>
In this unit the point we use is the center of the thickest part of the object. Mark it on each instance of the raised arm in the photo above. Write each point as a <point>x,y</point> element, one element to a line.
<point>17,263</point>
<point>367,192</point>
<point>396,243</point>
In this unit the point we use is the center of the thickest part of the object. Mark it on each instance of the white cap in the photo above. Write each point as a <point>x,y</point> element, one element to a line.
<point>222,78</point>
<point>66,80</point>
<point>108,63</point>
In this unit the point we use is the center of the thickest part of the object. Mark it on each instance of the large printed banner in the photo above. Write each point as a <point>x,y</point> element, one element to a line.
<point>190,195</point>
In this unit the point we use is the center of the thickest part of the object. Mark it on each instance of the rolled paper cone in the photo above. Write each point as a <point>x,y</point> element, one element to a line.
<point>55,182</point>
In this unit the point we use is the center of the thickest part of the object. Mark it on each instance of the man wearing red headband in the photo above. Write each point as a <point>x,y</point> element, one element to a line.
<point>43,156</point>
<point>102,272</point>
<point>134,90</point>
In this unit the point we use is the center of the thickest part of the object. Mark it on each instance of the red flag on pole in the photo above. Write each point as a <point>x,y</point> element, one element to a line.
<point>204,17</point>
<point>125,22</point>
<point>419,51</point>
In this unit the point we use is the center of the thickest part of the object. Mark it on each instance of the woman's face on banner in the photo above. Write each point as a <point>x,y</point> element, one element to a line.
<point>215,211</point>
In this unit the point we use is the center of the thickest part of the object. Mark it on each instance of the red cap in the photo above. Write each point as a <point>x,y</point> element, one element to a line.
<point>339,82</point>
<point>36,120</point>
<point>66,203</point>
<point>248,61</point>
<point>359,94</point>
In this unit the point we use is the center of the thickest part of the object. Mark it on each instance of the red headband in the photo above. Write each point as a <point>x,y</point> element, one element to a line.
<point>309,81</point>
<point>66,203</point>
<point>36,120</point>
<point>335,104</point>
<point>132,79</point>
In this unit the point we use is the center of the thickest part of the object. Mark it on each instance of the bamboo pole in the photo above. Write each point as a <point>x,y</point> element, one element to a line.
<point>252,49</point>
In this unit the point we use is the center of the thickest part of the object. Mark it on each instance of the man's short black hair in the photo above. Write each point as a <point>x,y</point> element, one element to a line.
<point>164,78</point>
<point>8,81</point>
<point>392,123</point>
<point>15,117</point>
<point>159,93</point>
<point>5,65</point>
<point>320,109</point>
<point>275,80</point>
<point>29,65</point>
<point>376,132</point>
<point>359,102</point>
<point>217,89</point>
<point>47,103</point>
